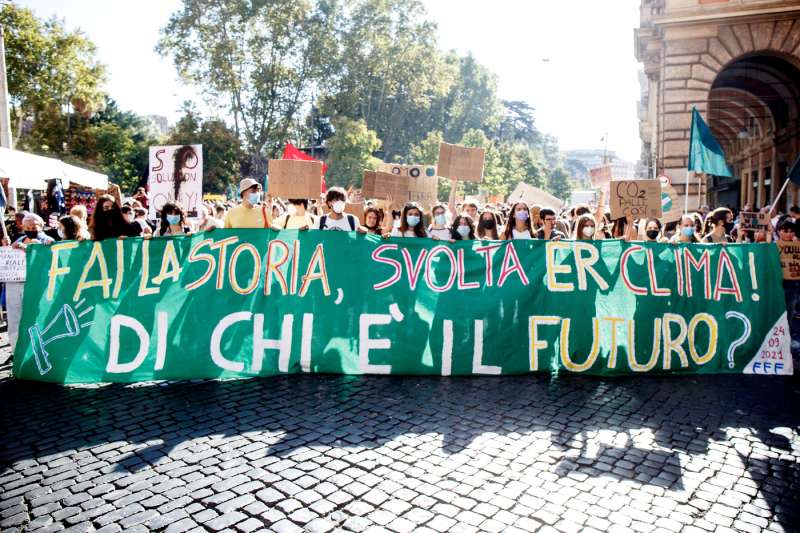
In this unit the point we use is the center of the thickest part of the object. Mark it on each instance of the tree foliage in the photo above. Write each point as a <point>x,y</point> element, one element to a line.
<point>350,152</point>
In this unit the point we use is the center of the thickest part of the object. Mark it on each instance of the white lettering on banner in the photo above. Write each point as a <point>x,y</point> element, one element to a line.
<point>117,322</point>
<point>365,344</point>
<point>216,341</point>
<point>283,345</point>
<point>447,347</point>
<point>305,342</point>
<point>477,355</point>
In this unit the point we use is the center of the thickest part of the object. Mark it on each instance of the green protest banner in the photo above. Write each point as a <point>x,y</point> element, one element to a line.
<point>244,303</point>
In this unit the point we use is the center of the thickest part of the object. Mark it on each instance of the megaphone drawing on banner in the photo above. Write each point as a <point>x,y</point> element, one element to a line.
<point>65,324</point>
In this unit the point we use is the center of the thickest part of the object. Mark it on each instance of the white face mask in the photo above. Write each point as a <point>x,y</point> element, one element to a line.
<point>61,234</point>
<point>292,210</point>
<point>588,231</point>
<point>338,207</point>
<point>396,223</point>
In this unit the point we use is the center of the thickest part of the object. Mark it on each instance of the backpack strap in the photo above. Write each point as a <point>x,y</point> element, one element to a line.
<point>352,220</point>
<point>322,220</point>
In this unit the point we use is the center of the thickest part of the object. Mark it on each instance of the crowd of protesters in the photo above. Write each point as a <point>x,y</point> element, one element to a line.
<point>456,221</point>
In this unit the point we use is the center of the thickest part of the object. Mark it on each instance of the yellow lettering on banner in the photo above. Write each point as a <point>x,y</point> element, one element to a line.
<point>144,290</point>
<point>632,362</point>
<point>552,268</point>
<point>612,358</point>
<point>713,331</point>
<point>564,341</point>
<point>208,258</point>
<point>222,246</point>
<point>273,267</point>
<point>674,345</point>
<point>56,270</point>
<point>98,257</point>
<point>120,267</point>
<point>170,266</point>
<point>317,262</point>
<point>585,264</point>
<point>533,324</point>
<point>251,286</point>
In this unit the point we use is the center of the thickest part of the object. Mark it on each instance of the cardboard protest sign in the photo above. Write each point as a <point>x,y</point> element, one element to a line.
<point>461,163</point>
<point>356,210</point>
<point>171,164</point>
<point>289,178</point>
<point>423,190</point>
<point>790,259</point>
<point>412,171</point>
<point>637,198</point>
<point>385,186</point>
<point>12,264</point>
<point>754,220</point>
<point>600,177</point>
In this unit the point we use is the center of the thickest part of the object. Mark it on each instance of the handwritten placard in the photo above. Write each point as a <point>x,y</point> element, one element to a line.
<point>12,264</point>
<point>636,198</point>
<point>754,220</point>
<point>790,259</point>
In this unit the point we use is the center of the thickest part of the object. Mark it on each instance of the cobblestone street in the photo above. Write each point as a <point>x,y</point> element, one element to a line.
<point>323,453</point>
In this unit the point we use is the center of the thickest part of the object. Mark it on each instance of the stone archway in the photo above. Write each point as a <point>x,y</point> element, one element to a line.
<point>695,57</point>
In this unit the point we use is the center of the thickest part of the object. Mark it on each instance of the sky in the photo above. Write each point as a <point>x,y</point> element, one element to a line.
<point>572,60</point>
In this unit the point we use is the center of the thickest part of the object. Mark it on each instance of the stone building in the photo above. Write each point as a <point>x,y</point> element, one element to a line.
<point>738,62</point>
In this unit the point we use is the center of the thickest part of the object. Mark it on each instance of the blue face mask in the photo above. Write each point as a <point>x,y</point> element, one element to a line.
<point>412,220</point>
<point>253,197</point>
<point>463,231</point>
<point>440,219</point>
<point>687,232</point>
<point>173,219</point>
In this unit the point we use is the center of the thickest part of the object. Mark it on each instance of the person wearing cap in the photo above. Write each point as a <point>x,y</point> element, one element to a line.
<point>249,214</point>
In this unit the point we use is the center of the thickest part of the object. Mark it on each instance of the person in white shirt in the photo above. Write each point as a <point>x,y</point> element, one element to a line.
<point>337,219</point>
<point>519,223</point>
<point>438,230</point>
<point>410,222</point>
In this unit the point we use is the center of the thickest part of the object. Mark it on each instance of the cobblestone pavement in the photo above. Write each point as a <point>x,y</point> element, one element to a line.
<point>320,453</point>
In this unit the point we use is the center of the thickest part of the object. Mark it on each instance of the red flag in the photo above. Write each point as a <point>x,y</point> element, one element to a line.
<point>292,152</point>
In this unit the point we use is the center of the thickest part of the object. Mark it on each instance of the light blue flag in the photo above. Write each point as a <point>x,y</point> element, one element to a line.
<point>705,153</point>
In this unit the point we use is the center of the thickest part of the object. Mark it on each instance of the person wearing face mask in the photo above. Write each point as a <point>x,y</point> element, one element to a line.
<point>250,213</point>
<point>652,230</point>
<point>410,222</point>
<point>373,218</point>
<point>127,213</point>
<point>462,229</point>
<point>519,223</point>
<point>718,227</point>
<point>296,216</point>
<point>586,229</point>
<point>173,220</point>
<point>337,219</point>
<point>108,222</point>
<point>686,232</point>
<point>438,230</point>
<point>32,226</point>
<point>71,229</point>
<point>488,227</point>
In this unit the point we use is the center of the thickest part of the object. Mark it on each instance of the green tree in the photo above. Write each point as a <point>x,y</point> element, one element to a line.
<point>52,75</point>
<point>388,71</point>
<point>559,185</point>
<point>258,59</point>
<point>350,152</point>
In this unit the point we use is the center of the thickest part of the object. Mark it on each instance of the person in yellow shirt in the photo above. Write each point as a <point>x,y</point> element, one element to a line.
<point>250,213</point>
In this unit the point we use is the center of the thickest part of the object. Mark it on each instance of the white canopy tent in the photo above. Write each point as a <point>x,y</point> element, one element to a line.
<point>29,171</point>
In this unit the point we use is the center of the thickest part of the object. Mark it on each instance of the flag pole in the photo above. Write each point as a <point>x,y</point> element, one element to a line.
<point>778,197</point>
<point>686,192</point>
